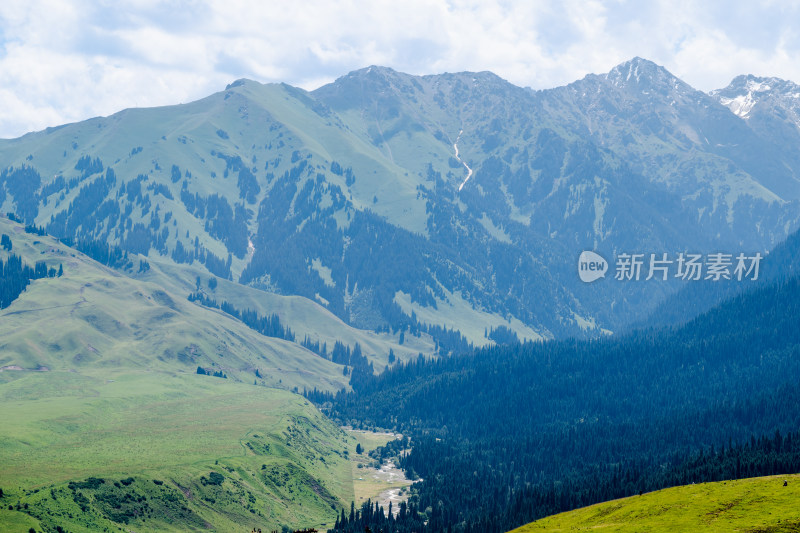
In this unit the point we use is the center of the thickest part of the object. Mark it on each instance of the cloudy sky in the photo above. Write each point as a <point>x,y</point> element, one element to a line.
<point>63,61</point>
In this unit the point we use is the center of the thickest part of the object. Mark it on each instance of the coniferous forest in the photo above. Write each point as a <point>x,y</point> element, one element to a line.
<point>269,326</point>
<point>15,275</point>
<point>509,434</point>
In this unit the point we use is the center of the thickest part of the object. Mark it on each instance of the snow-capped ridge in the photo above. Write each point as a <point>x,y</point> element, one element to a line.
<point>746,91</point>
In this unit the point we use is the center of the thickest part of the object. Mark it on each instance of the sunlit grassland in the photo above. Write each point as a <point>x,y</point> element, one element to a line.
<point>747,505</point>
<point>282,461</point>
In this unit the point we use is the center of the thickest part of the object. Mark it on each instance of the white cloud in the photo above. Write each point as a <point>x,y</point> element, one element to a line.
<point>70,60</point>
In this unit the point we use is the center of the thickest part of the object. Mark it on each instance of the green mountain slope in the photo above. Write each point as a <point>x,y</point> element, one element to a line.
<point>747,505</point>
<point>160,443</point>
<point>98,381</point>
<point>306,318</point>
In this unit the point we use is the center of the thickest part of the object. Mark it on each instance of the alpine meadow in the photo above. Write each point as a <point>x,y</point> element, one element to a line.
<point>407,303</point>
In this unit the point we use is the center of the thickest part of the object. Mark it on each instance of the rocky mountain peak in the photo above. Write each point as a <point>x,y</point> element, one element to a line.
<point>746,91</point>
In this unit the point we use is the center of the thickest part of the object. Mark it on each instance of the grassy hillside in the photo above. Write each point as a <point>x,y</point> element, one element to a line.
<point>94,317</point>
<point>303,316</point>
<point>98,381</point>
<point>280,460</point>
<point>748,505</point>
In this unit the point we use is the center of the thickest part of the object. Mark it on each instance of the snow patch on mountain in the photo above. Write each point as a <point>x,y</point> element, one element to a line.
<point>747,91</point>
<point>600,231</point>
<point>741,105</point>
<point>647,77</point>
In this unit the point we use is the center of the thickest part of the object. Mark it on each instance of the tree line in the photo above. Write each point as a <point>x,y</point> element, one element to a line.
<point>269,326</point>
<point>16,275</point>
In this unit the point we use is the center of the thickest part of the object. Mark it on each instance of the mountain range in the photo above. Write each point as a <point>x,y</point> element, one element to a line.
<point>167,270</point>
<point>450,207</point>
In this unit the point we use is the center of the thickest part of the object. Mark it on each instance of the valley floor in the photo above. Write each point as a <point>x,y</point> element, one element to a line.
<point>384,485</point>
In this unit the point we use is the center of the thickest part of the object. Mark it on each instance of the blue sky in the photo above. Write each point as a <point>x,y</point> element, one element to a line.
<point>63,61</point>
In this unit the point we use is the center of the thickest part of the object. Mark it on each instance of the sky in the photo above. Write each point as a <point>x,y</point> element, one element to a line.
<point>65,61</point>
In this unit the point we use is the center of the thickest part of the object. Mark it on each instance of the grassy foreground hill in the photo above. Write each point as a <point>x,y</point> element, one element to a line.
<point>747,505</point>
<point>159,452</point>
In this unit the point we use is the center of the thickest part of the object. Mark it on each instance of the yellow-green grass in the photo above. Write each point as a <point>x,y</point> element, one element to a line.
<point>369,440</point>
<point>747,505</point>
<point>17,521</point>
<point>279,456</point>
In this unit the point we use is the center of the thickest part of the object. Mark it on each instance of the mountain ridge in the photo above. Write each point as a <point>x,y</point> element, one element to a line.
<point>465,171</point>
